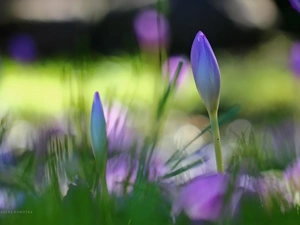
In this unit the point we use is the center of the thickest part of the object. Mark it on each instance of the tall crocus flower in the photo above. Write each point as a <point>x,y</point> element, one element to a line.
<point>295,4</point>
<point>207,78</point>
<point>100,145</point>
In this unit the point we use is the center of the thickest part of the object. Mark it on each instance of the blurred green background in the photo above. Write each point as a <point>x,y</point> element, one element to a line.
<point>260,81</point>
<point>96,49</point>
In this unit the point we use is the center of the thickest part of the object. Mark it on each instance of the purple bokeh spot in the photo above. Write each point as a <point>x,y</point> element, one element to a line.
<point>295,59</point>
<point>170,68</point>
<point>152,30</point>
<point>22,48</point>
<point>296,5</point>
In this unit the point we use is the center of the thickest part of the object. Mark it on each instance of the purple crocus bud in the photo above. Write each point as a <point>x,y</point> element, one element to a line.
<point>152,30</point>
<point>170,68</point>
<point>22,48</point>
<point>98,131</point>
<point>295,58</point>
<point>206,72</point>
<point>296,5</point>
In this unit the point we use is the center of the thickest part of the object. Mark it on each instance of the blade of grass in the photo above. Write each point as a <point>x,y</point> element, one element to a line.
<point>185,168</point>
<point>232,113</point>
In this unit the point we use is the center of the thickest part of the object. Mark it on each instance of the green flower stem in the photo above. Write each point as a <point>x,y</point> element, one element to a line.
<point>105,198</point>
<point>213,116</point>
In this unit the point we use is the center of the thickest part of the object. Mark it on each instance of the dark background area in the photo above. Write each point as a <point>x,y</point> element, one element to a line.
<point>114,32</point>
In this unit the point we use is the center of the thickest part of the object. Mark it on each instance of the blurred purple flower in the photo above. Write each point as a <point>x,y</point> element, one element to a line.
<point>295,4</point>
<point>152,30</point>
<point>206,72</point>
<point>121,137</point>
<point>115,116</point>
<point>170,68</point>
<point>121,173</point>
<point>292,175</point>
<point>203,199</point>
<point>295,59</point>
<point>157,167</point>
<point>22,48</point>
<point>279,142</point>
<point>271,185</point>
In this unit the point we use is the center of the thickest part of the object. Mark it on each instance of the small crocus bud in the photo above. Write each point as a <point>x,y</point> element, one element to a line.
<point>98,132</point>
<point>170,69</point>
<point>295,58</point>
<point>206,72</point>
<point>295,4</point>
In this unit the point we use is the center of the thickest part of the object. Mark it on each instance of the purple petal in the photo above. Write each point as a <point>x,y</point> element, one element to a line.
<point>121,137</point>
<point>202,198</point>
<point>292,175</point>
<point>295,4</point>
<point>115,117</point>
